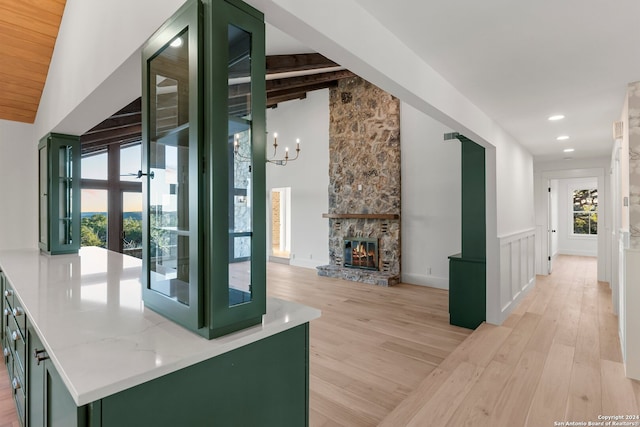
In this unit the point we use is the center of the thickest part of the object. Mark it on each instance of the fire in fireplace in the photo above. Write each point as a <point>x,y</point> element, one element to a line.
<point>361,253</point>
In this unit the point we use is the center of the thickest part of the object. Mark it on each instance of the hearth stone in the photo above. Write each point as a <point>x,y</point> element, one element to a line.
<point>378,278</point>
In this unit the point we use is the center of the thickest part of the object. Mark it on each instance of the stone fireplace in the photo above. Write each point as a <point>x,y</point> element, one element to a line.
<point>364,181</point>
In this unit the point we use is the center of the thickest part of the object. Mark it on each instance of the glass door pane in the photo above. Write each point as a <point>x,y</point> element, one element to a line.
<point>240,155</point>
<point>65,194</point>
<point>44,206</point>
<point>169,152</point>
<point>94,213</point>
<point>132,224</point>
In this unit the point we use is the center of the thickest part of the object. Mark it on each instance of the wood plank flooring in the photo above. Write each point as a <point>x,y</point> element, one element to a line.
<point>371,347</point>
<point>387,356</point>
<point>556,358</point>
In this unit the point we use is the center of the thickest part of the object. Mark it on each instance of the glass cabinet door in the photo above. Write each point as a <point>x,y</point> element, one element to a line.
<point>59,193</point>
<point>170,163</point>
<point>204,103</point>
<point>238,146</point>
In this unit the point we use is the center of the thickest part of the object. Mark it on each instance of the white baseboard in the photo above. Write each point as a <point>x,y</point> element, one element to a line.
<point>424,280</point>
<point>307,263</point>
<point>507,309</point>
<point>577,253</point>
<point>279,260</point>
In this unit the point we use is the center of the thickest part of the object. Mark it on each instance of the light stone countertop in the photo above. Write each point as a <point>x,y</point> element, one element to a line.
<point>87,309</point>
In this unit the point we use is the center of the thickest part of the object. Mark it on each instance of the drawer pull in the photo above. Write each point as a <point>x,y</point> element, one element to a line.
<point>15,335</point>
<point>15,384</point>
<point>8,293</point>
<point>7,312</point>
<point>40,355</point>
<point>18,311</point>
<point>6,352</point>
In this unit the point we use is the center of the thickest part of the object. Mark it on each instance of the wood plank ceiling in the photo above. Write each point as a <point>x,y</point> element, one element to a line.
<point>28,30</point>
<point>289,77</point>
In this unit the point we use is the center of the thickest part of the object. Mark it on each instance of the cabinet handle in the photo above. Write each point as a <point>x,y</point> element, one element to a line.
<point>18,311</point>
<point>6,352</point>
<point>8,293</point>
<point>15,335</point>
<point>15,384</point>
<point>40,355</point>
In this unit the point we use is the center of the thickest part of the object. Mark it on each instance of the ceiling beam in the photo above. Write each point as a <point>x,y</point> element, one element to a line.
<point>126,125</point>
<point>300,62</point>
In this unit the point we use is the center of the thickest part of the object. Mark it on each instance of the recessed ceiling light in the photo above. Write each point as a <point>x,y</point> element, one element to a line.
<point>556,117</point>
<point>568,150</point>
<point>177,42</point>
<point>562,138</point>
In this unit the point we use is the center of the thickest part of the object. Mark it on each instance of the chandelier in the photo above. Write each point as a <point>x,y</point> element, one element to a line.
<point>274,159</point>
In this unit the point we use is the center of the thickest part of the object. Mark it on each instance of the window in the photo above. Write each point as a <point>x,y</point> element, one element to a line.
<point>112,199</point>
<point>585,212</point>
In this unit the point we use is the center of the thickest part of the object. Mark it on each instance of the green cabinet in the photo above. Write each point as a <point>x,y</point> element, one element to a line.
<point>13,346</point>
<point>59,193</point>
<point>49,401</point>
<point>204,257</point>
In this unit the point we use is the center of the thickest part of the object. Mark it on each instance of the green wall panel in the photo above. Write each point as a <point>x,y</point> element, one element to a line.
<point>467,271</point>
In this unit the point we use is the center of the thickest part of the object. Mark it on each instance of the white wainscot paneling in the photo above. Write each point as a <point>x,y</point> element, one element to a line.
<point>517,269</point>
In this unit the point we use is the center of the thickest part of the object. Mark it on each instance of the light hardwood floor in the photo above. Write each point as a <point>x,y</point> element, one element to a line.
<point>556,358</point>
<point>387,356</point>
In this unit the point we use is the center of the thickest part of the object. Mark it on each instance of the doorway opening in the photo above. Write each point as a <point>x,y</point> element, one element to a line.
<point>280,230</point>
<point>573,218</point>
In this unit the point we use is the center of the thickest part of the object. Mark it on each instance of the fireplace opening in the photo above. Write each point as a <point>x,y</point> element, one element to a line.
<point>361,253</point>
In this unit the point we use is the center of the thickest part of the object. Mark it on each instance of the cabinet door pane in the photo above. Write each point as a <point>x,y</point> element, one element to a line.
<point>240,155</point>
<point>44,212</point>
<point>169,153</point>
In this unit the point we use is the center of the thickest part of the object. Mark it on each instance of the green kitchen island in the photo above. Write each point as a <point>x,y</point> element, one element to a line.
<point>82,350</point>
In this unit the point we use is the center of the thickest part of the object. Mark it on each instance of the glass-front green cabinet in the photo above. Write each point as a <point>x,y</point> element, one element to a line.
<point>204,100</point>
<point>59,193</point>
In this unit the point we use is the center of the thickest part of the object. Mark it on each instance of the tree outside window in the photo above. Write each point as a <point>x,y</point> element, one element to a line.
<point>585,212</point>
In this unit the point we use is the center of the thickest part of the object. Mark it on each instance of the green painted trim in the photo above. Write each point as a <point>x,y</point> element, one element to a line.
<point>244,7</point>
<point>474,218</point>
<point>94,414</point>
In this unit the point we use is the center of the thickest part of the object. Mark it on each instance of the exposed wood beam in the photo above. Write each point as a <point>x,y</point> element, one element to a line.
<point>300,62</point>
<point>126,125</point>
<point>307,81</point>
<point>112,134</point>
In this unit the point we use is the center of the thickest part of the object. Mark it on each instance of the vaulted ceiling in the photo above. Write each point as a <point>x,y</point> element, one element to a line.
<point>28,30</point>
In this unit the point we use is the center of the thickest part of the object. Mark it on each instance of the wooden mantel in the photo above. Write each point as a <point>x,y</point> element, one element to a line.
<point>360,216</point>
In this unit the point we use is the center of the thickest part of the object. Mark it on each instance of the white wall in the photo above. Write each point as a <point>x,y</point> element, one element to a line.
<point>431,199</point>
<point>18,186</point>
<point>308,177</point>
<point>431,193</point>
<point>86,82</point>
<point>569,244</point>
